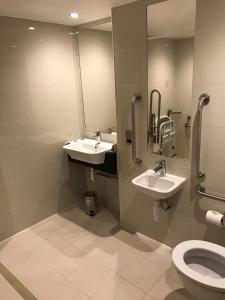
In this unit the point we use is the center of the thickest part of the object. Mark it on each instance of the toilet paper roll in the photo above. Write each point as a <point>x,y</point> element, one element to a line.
<point>215,218</point>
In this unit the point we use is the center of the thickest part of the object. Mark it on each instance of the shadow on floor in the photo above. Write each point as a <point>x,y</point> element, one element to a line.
<point>180,294</point>
<point>106,224</point>
<point>103,224</point>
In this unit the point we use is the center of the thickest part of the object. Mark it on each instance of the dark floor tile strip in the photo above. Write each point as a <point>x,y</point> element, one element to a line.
<point>16,284</point>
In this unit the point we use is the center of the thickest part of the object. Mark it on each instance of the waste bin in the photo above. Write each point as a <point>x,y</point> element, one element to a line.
<point>90,203</point>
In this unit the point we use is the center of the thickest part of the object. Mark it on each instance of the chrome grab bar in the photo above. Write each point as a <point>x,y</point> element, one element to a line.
<point>203,100</point>
<point>201,191</point>
<point>134,99</point>
<point>151,121</point>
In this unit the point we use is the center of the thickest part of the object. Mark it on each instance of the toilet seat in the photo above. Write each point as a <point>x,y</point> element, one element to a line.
<point>184,248</point>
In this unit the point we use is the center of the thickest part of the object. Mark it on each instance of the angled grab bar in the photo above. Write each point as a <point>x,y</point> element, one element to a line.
<point>203,101</point>
<point>134,99</point>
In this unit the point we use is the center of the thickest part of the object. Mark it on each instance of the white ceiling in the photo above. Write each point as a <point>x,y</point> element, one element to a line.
<point>58,11</point>
<point>172,18</point>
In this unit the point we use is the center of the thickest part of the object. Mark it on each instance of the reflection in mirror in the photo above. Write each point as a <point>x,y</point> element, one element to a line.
<point>97,78</point>
<point>171,32</point>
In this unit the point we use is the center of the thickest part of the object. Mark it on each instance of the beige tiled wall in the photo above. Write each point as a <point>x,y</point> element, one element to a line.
<point>209,77</point>
<point>186,220</point>
<point>38,112</point>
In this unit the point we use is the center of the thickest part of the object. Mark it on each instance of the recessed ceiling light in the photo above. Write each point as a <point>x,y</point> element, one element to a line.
<point>31,28</point>
<point>74,15</point>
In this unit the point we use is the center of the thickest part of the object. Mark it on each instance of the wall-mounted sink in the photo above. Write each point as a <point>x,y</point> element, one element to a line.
<point>88,150</point>
<point>153,185</point>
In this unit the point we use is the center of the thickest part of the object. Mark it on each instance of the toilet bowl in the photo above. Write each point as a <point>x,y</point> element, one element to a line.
<point>201,267</point>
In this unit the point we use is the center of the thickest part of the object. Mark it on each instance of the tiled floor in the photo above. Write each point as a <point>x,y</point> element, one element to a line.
<point>7,291</point>
<point>73,256</point>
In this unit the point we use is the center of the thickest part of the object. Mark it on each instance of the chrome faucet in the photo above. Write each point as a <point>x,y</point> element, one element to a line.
<point>161,168</point>
<point>99,136</point>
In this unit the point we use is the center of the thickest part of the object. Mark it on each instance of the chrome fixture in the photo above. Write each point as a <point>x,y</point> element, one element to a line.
<point>97,144</point>
<point>134,99</point>
<point>202,191</point>
<point>188,123</point>
<point>111,130</point>
<point>167,131</point>
<point>203,101</point>
<point>170,112</point>
<point>98,135</point>
<point>153,128</point>
<point>161,168</point>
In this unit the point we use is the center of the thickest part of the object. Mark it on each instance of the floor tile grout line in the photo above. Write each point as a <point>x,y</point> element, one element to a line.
<point>119,275</point>
<point>145,292</point>
<point>108,281</point>
<point>148,292</point>
<point>151,297</point>
<point>124,243</point>
<point>103,264</point>
<point>69,281</point>
<point>92,294</point>
<point>93,257</point>
<point>16,284</point>
<point>115,273</point>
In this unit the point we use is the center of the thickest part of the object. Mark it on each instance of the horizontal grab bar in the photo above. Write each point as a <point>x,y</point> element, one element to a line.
<point>201,191</point>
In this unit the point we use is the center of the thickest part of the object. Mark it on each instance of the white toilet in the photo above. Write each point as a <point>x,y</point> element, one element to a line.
<point>201,267</point>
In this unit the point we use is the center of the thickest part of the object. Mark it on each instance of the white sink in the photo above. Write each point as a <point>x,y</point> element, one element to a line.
<point>88,150</point>
<point>153,185</point>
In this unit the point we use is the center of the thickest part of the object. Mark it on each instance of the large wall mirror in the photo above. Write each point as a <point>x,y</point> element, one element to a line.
<point>97,77</point>
<point>171,35</point>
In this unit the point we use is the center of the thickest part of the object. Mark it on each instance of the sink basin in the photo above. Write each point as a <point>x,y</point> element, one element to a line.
<point>88,150</point>
<point>153,185</point>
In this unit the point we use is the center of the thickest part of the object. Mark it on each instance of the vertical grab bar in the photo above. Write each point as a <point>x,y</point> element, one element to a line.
<point>203,101</point>
<point>201,190</point>
<point>151,125</point>
<point>134,99</point>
